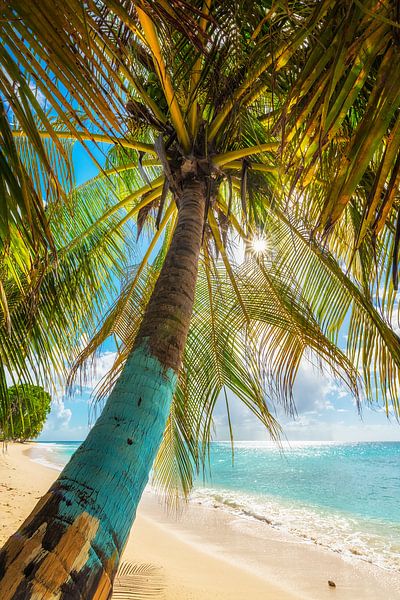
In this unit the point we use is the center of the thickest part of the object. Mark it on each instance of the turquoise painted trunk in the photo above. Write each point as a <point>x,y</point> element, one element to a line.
<point>120,449</point>
<point>94,500</point>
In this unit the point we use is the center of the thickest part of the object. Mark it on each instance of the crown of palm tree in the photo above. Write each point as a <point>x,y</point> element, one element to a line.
<point>290,111</point>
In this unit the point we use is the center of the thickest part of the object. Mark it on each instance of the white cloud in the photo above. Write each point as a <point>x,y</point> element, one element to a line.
<point>314,394</point>
<point>60,424</point>
<point>312,389</point>
<point>59,416</point>
<point>324,412</point>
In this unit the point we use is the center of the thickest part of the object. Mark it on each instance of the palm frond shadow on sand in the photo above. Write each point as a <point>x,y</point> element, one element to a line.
<point>138,582</point>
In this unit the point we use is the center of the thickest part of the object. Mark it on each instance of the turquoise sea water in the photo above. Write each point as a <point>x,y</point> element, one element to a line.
<point>345,497</point>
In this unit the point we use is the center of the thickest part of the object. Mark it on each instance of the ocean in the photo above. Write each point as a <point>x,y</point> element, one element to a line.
<point>342,496</point>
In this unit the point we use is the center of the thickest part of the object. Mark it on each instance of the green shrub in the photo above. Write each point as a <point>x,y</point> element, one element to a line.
<point>28,407</point>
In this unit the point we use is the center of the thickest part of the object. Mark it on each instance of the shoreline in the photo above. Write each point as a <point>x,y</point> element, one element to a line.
<point>351,535</point>
<point>208,553</point>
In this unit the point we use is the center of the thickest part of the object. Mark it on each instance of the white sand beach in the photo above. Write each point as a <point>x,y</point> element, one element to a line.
<point>208,554</point>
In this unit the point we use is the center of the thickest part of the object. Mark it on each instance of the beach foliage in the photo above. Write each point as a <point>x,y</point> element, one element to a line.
<point>28,407</point>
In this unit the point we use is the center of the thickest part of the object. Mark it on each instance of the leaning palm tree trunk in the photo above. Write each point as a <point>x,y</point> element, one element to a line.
<point>70,545</point>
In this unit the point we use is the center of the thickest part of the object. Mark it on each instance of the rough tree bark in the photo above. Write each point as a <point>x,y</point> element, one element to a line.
<point>69,547</point>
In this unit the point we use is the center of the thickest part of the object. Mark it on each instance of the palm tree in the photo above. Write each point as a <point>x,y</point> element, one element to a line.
<point>276,124</point>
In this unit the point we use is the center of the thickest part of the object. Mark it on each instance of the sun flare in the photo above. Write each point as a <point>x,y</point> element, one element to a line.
<point>259,245</point>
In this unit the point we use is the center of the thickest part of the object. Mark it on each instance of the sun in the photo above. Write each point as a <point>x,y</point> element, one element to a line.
<point>259,245</point>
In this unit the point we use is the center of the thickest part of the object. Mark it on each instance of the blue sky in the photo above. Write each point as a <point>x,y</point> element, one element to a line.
<point>324,410</point>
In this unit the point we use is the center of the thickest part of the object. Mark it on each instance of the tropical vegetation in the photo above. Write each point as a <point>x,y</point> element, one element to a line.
<point>29,407</point>
<point>256,146</point>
